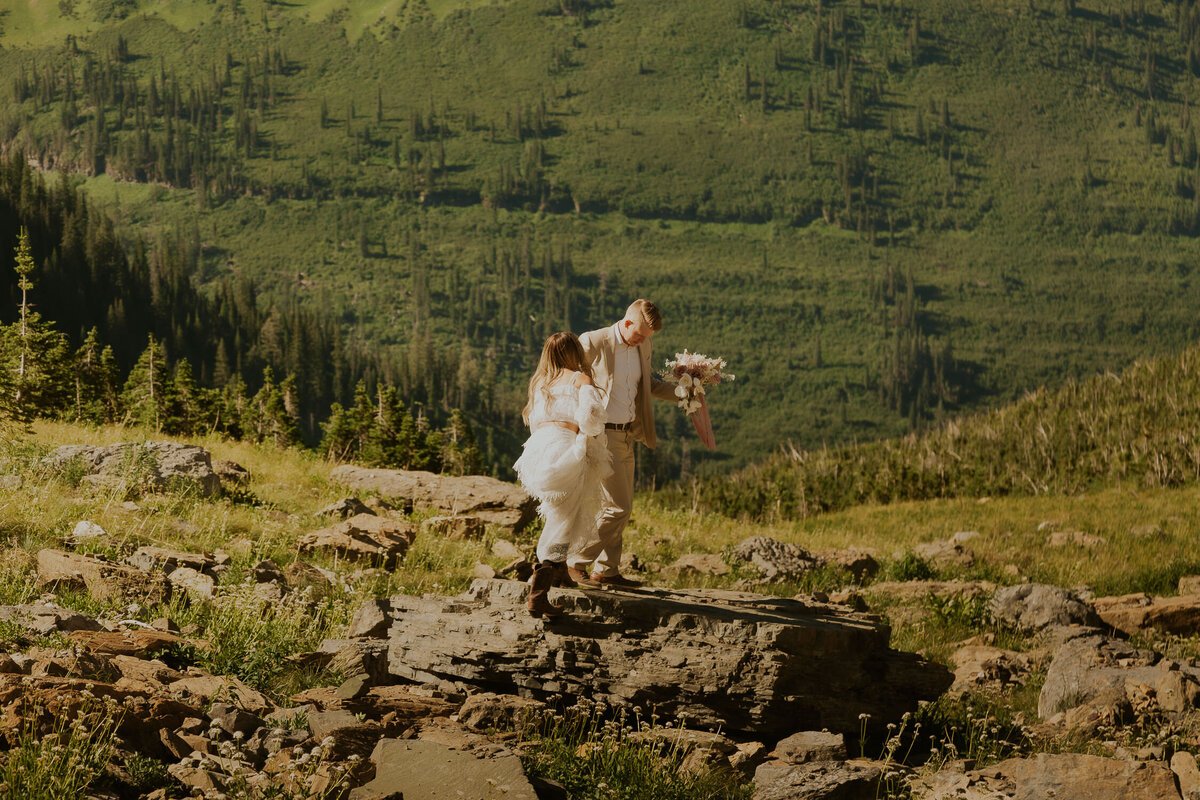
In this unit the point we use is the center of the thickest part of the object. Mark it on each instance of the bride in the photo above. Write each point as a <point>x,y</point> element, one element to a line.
<point>563,463</point>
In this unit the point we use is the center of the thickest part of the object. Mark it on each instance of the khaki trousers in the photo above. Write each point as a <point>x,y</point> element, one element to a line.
<point>605,552</point>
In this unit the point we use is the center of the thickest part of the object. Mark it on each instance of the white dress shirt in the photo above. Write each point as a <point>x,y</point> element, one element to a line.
<point>627,370</point>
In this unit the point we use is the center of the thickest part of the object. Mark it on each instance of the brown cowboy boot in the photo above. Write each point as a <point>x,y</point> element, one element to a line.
<point>562,577</point>
<point>540,583</point>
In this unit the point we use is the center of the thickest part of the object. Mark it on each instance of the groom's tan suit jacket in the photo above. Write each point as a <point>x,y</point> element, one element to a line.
<point>600,348</point>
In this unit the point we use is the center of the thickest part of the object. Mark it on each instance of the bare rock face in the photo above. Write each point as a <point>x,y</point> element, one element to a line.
<point>1035,606</point>
<point>820,780</point>
<point>1109,680</point>
<point>742,661</point>
<point>425,770</point>
<point>364,537</point>
<point>159,464</point>
<point>495,502</point>
<point>1136,613</point>
<point>1065,776</point>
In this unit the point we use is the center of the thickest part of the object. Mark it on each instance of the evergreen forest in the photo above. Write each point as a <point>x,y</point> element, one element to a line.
<point>359,220</point>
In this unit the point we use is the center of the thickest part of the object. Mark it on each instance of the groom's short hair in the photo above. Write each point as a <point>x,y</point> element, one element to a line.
<point>647,312</point>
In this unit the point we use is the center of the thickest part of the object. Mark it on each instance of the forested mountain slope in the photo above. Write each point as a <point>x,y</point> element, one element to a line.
<point>876,211</point>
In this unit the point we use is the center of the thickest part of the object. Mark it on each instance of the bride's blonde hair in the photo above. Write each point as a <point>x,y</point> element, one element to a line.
<point>561,352</point>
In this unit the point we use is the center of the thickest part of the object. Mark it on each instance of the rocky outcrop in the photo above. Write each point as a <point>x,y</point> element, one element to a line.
<point>1137,613</point>
<point>1101,680</point>
<point>158,465</point>
<point>365,537</point>
<point>1065,776</point>
<point>103,579</point>
<point>742,661</point>
<point>1035,606</point>
<point>781,561</point>
<point>495,502</point>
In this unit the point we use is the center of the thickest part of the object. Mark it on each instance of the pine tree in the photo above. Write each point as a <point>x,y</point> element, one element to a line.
<point>95,381</point>
<point>144,397</point>
<point>36,356</point>
<point>459,452</point>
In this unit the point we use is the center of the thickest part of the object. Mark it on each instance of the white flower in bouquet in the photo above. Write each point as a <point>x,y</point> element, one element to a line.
<point>692,372</point>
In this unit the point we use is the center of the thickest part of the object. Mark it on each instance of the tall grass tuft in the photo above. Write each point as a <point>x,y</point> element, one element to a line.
<point>63,761</point>
<point>596,756</point>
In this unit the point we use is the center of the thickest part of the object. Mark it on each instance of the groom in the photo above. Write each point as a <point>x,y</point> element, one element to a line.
<point>620,358</point>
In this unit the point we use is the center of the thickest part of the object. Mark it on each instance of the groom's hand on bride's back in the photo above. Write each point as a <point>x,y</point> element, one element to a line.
<point>582,380</point>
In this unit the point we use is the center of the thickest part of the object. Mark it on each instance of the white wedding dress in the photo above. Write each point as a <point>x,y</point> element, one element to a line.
<point>564,469</point>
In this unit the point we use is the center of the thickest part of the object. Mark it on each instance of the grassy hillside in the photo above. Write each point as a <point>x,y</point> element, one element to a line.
<point>875,211</point>
<point>1137,428</point>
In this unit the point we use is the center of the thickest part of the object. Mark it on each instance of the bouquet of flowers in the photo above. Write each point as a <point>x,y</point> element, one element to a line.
<point>692,372</point>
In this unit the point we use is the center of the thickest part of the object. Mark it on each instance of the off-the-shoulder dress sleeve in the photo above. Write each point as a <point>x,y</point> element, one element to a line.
<point>590,411</point>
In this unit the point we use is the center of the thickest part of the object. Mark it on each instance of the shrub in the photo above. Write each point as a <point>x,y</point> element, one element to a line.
<point>59,755</point>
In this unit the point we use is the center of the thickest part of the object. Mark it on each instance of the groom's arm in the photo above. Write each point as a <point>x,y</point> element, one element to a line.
<point>662,390</point>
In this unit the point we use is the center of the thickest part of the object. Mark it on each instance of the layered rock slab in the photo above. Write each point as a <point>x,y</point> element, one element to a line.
<point>745,662</point>
<point>493,501</point>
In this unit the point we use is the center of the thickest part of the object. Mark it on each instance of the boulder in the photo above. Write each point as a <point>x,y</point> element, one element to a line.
<point>491,710</point>
<point>44,620</point>
<point>102,578</point>
<point>196,585</point>
<point>701,750</point>
<point>1138,613</point>
<point>1034,606</point>
<point>164,559</point>
<point>776,560</point>
<point>1127,680</point>
<point>364,537</point>
<point>822,780</point>
<point>980,666</point>
<point>425,770</point>
<point>232,719</point>
<point>299,576</point>
<point>345,508</point>
<point>1063,776</point>
<point>944,554</point>
<point>742,661</point>
<point>806,746</point>
<point>201,687</point>
<point>1187,774</point>
<point>493,501</point>
<point>158,465</point>
<point>370,620</point>
<point>1075,539</point>
<point>698,564</point>
<point>453,527</point>
<point>859,563</point>
<point>86,531</point>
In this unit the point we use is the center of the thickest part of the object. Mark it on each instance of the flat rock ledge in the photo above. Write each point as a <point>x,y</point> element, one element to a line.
<point>493,501</point>
<point>745,662</point>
